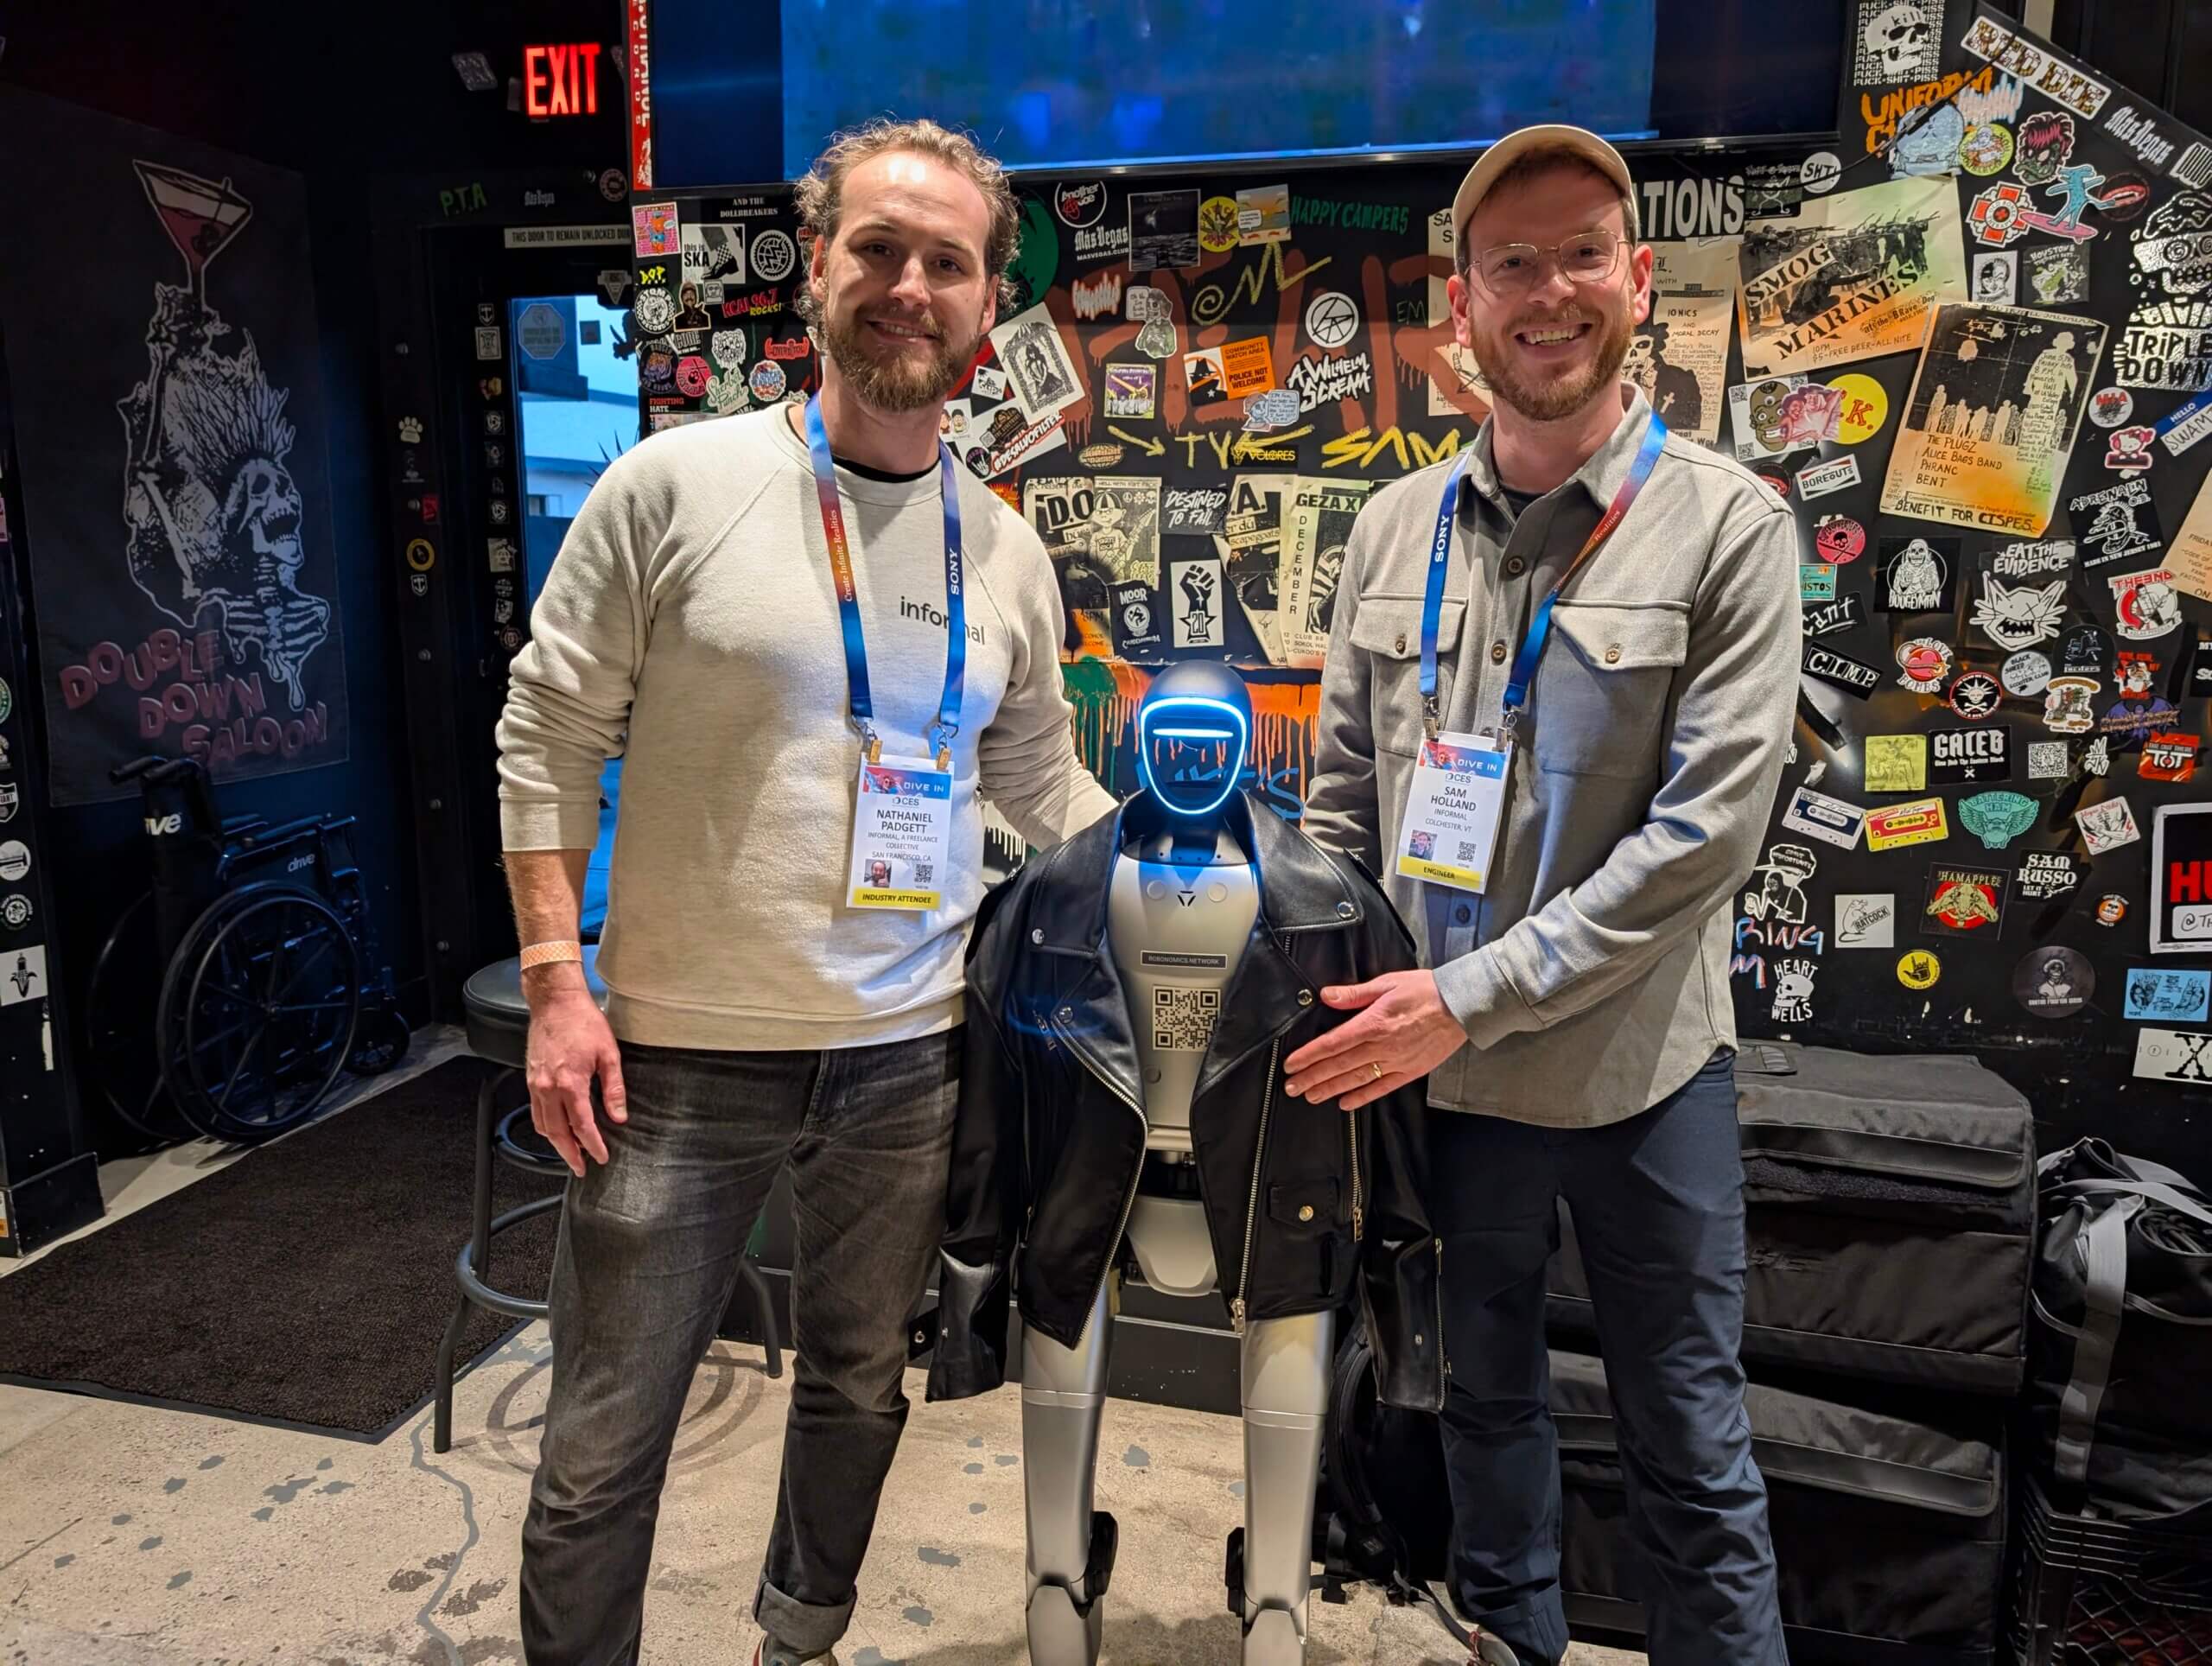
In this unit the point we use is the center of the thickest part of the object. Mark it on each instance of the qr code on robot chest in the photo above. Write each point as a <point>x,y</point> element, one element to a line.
<point>1183,1019</point>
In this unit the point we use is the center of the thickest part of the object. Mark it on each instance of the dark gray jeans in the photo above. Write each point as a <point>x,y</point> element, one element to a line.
<point>1658,1203</point>
<point>648,1256</point>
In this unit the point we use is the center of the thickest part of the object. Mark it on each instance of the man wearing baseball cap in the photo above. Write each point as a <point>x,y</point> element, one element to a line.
<point>1561,678</point>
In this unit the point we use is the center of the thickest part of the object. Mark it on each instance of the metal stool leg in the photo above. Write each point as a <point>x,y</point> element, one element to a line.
<point>480,1245</point>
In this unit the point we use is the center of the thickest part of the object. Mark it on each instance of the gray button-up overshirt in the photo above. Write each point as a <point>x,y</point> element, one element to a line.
<point>1591,974</point>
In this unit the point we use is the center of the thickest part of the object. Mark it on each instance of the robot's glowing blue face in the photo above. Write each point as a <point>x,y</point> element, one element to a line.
<point>1191,751</point>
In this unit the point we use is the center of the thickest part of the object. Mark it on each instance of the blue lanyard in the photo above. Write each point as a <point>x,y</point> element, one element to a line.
<point>1540,623</point>
<point>849,606</point>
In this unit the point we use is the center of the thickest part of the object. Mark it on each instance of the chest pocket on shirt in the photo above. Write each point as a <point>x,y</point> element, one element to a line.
<point>1388,629</point>
<point>1602,689</point>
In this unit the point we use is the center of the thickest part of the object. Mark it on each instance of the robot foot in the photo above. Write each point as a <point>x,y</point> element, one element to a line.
<point>1060,1634</point>
<point>1062,1630</point>
<point>1272,1639</point>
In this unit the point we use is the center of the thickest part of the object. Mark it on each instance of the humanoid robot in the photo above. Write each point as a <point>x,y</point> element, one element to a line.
<point>1132,995</point>
<point>1193,729</point>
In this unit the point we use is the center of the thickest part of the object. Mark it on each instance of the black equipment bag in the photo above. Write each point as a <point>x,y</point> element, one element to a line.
<point>1890,1219</point>
<point>1889,1532</point>
<point>1383,1512</point>
<point>2120,1395</point>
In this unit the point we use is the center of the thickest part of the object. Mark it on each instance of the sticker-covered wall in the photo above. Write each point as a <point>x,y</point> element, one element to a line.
<point>1970,345</point>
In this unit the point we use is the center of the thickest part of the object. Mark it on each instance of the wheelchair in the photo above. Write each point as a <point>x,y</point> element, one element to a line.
<point>228,998</point>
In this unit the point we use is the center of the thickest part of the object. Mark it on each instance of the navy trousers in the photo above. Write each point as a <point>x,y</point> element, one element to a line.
<point>1658,1210</point>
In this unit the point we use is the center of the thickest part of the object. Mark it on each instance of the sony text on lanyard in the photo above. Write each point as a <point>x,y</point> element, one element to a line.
<point>902,830</point>
<point>1457,794</point>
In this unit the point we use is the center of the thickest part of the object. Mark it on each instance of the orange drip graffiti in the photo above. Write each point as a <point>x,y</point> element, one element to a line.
<point>1105,694</point>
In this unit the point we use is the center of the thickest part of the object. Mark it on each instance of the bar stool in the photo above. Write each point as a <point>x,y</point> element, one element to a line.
<point>497,1020</point>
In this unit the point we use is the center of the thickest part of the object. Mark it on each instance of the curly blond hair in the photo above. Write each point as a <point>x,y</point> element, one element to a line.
<point>821,193</point>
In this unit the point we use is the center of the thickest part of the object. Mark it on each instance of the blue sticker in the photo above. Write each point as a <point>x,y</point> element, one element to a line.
<point>2161,993</point>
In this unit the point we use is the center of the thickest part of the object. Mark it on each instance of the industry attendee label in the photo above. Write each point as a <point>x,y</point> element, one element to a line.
<point>901,835</point>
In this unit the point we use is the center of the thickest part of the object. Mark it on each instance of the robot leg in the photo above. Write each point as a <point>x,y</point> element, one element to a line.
<point>1071,1549</point>
<point>1286,1396</point>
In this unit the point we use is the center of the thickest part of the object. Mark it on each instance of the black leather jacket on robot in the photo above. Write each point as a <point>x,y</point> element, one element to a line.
<point>1298,1197</point>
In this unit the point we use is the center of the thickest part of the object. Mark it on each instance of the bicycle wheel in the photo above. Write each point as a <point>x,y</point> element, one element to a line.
<point>118,1005</point>
<point>258,1012</point>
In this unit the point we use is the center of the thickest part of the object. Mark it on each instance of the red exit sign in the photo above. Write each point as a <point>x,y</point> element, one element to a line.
<point>561,80</point>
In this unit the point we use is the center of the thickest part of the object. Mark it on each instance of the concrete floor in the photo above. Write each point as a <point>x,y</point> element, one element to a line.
<point>131,1537</point>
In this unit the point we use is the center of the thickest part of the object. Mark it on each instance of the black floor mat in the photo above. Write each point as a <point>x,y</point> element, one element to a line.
<point>308,1283</point>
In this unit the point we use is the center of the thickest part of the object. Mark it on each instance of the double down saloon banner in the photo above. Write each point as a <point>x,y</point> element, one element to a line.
<point>162,364</point>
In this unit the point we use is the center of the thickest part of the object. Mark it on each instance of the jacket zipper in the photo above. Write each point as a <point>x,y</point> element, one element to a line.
<point>1136,1172</point>
<point>1252,1207</point>
<point>1440,1307</point>
<point>1358,1215</point>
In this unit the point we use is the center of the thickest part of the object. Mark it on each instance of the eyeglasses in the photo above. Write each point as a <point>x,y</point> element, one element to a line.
<point>1515,268</point>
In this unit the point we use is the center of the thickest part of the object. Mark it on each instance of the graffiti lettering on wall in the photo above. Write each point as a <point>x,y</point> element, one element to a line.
<point>1211,303</point>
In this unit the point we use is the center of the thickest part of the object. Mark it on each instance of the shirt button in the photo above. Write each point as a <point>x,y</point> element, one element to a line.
<point>1401,643</point>
<point>1497,653</point>
<point>1515,567</point>
<point>1305,1211</point>
<point>1613,654</point>
<point>1462,914</point>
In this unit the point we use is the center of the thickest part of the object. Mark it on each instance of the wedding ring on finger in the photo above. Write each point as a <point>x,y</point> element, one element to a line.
<point>1375,1064</point>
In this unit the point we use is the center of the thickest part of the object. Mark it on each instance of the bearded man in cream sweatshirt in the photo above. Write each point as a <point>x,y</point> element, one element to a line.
<point>827,645</point>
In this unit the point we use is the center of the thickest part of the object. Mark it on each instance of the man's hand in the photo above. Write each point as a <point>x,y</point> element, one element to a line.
<point>1406,1028</point>
<point>569,1044</point>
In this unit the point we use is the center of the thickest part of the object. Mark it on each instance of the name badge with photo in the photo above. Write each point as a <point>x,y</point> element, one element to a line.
<point>1452,807</point>
<point>902,835</point>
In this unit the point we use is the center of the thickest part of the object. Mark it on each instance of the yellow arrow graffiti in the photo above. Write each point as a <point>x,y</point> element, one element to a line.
<point>1150,448</point>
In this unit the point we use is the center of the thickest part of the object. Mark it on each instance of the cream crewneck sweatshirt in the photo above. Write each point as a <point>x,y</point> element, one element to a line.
<point>692,606</point>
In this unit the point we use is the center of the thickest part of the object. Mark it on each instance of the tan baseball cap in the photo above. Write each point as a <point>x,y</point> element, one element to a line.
<point>1550,136</point>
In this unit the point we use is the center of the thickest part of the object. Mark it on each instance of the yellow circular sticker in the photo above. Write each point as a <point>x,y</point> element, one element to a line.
<point>1919,969</point>
<point>420,555</point>
<point>1865,408</point>
<point>1218,225</point>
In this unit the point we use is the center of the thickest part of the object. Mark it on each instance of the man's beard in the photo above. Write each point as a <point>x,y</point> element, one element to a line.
<point>1547,401</point>
<point>900,385</point>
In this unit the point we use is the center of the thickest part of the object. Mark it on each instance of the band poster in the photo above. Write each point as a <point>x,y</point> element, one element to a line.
<point>1995,406</point>
<point>1851,277</point>
<point>1321,513</point>
<point>1680,356</point>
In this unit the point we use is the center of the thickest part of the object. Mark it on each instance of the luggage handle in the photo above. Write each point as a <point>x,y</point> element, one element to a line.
<point>2103,1244</point>
<point>2179,1201</point>
<point>2133,1168</point>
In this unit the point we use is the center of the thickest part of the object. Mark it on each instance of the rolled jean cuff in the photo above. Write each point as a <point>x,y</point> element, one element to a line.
<point>809,1627</point>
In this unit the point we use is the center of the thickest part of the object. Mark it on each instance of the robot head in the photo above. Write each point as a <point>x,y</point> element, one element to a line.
<point>1194,726</point>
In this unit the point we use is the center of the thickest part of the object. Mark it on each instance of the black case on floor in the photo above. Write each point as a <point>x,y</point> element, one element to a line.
<point>1890,1219</point>
<point>1889,1532</point>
